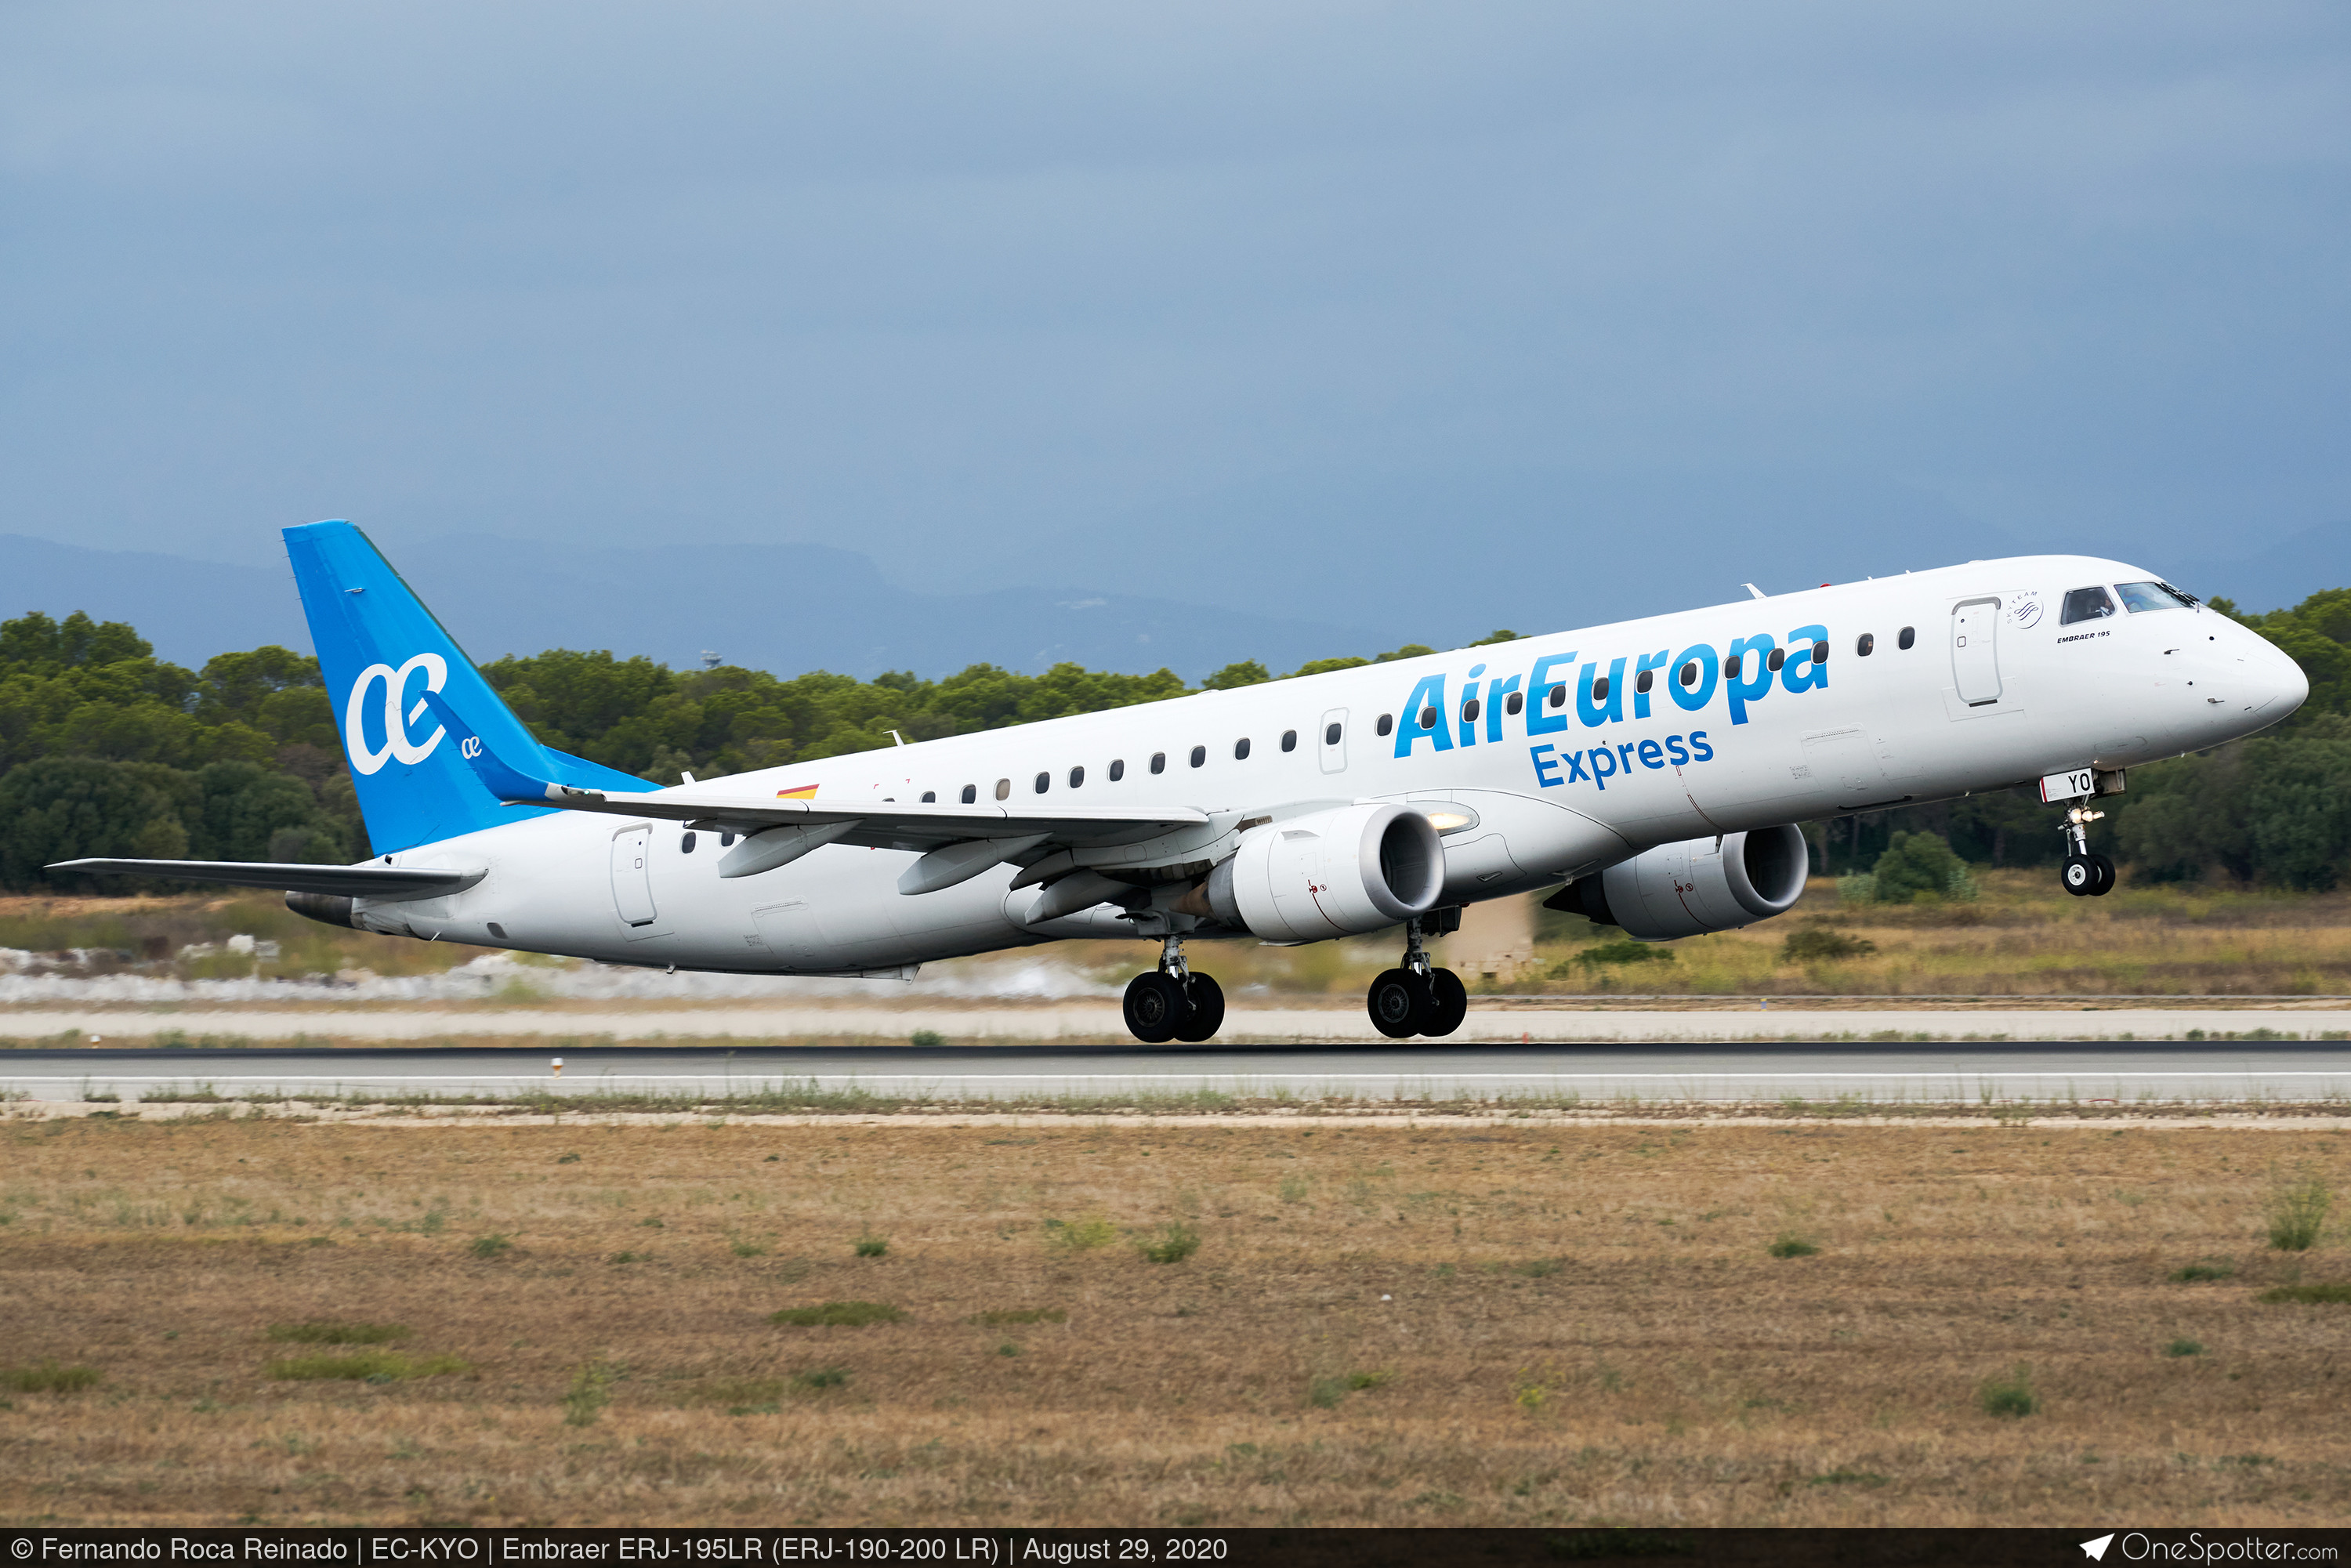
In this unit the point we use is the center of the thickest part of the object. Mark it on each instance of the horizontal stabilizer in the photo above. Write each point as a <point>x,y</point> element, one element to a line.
<point>350,881</point>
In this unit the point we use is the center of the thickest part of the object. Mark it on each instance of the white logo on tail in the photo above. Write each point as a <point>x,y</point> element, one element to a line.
<point>396,743</point>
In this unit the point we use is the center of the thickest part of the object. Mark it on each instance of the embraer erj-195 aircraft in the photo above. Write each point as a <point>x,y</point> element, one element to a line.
<point>1655,767</point>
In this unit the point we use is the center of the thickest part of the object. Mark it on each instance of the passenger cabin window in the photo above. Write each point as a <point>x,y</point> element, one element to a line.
<point>2141,596</point>
<point>1909,635</point>
<point>1386,723</point>
<point>1003,788</point>
<point>1044,783</point>
<point>1820,652</point>
<point>685,843</point>
<point>1730,668</point>
<point>1645,680</point>
<point>1689,673</point>
<point>930,797</point>
<point>1428,718</point>
<point>970,794</point>
<point>1865,645</point>
<point>1777,657</point>
<point>2090,603</point>
<point>1199,756</point>
<point>1469,711</point>
<point>1241,749</point>
<point>1159,762</point>
<point>1077,776</point>
<point>1516,702</point>
<point>1558,697</point>
<point>1600,690</point>
<point>1118,770</point>
<point>1331,735</point>
<point>1288,740</point>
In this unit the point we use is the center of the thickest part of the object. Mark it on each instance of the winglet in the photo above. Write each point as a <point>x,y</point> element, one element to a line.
<point>515,788</point>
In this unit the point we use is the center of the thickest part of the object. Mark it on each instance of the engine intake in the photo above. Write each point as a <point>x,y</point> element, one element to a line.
<point>1695,886</point>
<point>1332,874</point>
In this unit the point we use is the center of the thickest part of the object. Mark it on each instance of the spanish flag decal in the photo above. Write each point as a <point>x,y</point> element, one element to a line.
<point>803,792</point>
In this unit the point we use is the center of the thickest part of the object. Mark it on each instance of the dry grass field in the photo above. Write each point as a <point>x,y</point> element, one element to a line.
<point>1471,1323</point>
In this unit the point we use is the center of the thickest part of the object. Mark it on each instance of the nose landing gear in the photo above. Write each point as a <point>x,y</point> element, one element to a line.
<point>1417,999</point>
<point>2085,875</point>
<point>1171,1002</point>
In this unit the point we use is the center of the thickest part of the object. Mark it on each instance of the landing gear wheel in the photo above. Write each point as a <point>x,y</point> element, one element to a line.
<point>2106,870</point>
<point>1448,1003</point>
<point>1206,1013</point>
<point>1156,1008</point>
<point>2080,876</point>
<point>1395,1002</point>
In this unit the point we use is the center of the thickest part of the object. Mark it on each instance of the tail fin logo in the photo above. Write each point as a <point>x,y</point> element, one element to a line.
<point>397,745</point>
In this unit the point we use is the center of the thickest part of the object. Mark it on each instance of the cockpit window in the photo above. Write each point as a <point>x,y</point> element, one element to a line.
<point>2138,596</point>
<point>2087,604</point>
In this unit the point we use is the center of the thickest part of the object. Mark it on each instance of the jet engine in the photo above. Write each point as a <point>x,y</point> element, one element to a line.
<point>1332,874</point>
<point>1696,885</point>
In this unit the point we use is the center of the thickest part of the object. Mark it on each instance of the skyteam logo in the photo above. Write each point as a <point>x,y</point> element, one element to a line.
<point>390,723</point>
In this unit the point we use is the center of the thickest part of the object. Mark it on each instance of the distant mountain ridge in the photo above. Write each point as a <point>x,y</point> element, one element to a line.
<point>782,608</point>
<point>793,608</point>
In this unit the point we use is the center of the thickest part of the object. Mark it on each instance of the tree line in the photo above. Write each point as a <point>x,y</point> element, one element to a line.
<point>107,751</point>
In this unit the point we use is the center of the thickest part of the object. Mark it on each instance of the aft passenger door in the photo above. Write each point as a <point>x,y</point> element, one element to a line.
<point>1975,656</point>
<point>633,880</point>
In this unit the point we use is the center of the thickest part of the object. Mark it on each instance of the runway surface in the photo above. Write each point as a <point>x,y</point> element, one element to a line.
<point>2299,1072</point>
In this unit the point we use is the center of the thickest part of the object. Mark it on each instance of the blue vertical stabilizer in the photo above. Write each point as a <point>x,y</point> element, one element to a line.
<point>381,650</point>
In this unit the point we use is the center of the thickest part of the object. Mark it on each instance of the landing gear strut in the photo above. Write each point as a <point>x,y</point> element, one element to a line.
<point>1417,999</point>
<point>2085,875</point>
<point>1171,1002</point>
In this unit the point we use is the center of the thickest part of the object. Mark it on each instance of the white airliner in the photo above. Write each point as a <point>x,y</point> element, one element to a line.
<point>1654,766</point>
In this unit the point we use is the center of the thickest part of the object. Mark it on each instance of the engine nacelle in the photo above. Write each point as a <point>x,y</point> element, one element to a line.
<point>1333,874</point>
<point>1697,886</point>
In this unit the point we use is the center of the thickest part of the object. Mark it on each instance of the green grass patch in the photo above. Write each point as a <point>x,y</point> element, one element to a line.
<point>2333,1292</point>
<point>2296,1211</point>
<point>1174,1242</point>
<point>2184,1347</point>
<point>337,1333</point>
<point>490,1246</point>
<point>1791,1246</point>
<point>837,1315</point>
<point>817,1379</point>
<point>366,1366</point>
<point>591,1391</point>
<point>2196,1273</point>
<point>48,1377</point>
<point>1081,1236</point>
<point>1018,1315</point>
<point>871,1246</point>
<point>2011,1397</point>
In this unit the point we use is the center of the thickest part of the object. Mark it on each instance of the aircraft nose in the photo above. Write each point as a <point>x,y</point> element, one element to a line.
<point>2283,685</point>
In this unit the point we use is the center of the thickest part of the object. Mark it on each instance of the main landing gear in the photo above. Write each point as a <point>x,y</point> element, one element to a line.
<point>2085,875</point>
<point>1171,1002</point>
<point>1417,999</point>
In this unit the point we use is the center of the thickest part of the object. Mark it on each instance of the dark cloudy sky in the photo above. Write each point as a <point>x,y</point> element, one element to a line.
<point>1479,314</point>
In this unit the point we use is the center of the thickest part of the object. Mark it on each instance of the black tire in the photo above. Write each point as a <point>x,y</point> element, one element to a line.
<point>2080,876</point>
<point>1206,1013</point>
<point>1394,1002</point>
<point>1154,1008</point>
<point>2106,870</point>
<point>1448,1004</point>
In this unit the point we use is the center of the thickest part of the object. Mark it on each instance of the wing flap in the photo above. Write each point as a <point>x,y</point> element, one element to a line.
<point>349,880</point>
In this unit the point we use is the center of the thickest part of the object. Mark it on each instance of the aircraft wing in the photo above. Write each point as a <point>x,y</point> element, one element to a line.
<point>880,824</point>
<point>350,881</point>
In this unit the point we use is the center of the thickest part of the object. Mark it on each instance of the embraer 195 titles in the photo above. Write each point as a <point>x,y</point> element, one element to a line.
<point>1655,767</point>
